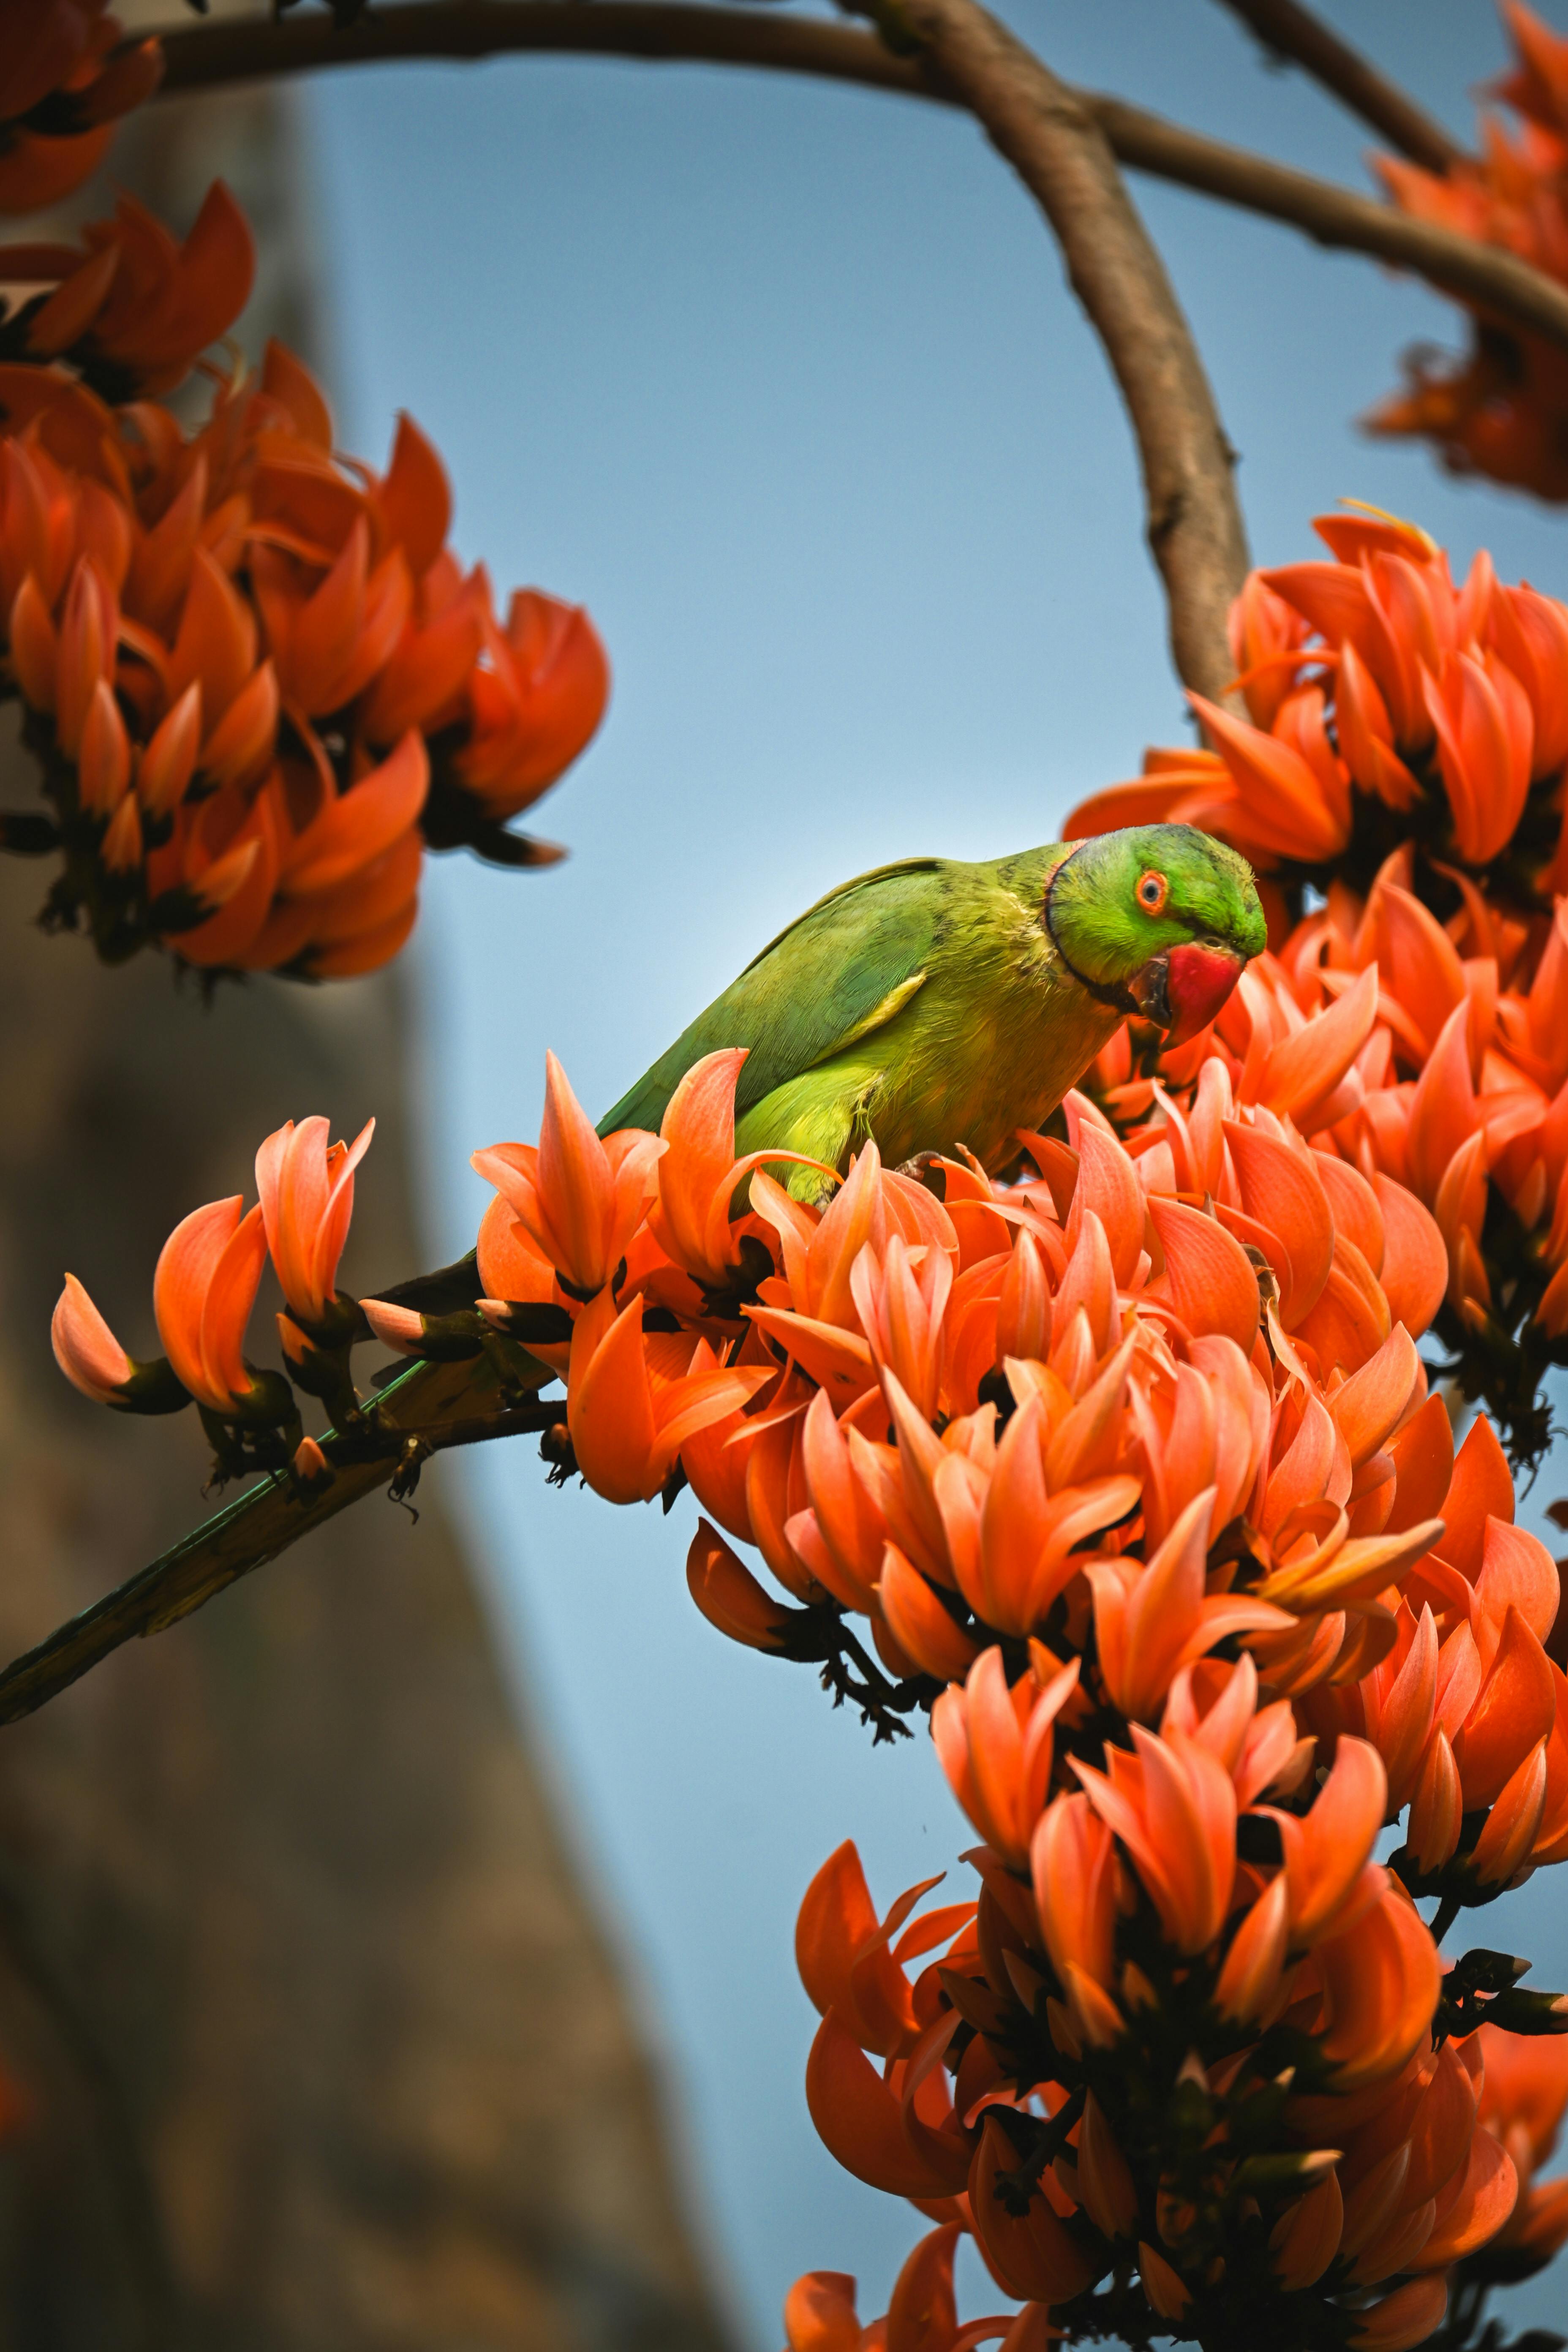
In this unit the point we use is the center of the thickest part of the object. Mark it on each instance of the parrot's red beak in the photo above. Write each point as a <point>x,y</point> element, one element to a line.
<point>1182,990</point>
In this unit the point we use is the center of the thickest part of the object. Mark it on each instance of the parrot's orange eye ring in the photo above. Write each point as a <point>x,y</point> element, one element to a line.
<point>1153,892</point>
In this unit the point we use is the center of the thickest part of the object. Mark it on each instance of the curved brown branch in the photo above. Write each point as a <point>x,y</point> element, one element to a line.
<point>1293,32</point>
<point>1060,151</point>
<point>1480,275</point>
<point>255,47</point>
<point>1043,129</point>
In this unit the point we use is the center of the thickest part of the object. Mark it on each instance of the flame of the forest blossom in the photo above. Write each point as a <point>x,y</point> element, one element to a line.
<point>1384,698</point>
<point>65,78</point>
<point>1326,1939</point>
<point>579,1201</point>
<point>1467,1709</point>
<point>1164,1400</point>
<point>1499,408</point>
<point>205,1282</point>
<point>1142,1403</point>
<point>1129,1469</point>
<point>307,1189</point>
<point>1522,2103</point>
<point>86,1349</point>
<point>819,2314</point>
<point>205,1286</point>
<point>133,309</point>
<point>1412,1025</point>
<point>258,679</point>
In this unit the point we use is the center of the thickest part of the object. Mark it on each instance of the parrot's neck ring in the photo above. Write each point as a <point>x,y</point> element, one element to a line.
<point>1118,1000</point>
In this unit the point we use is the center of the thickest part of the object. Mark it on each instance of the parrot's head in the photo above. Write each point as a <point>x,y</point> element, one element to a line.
<point>1159,920</point>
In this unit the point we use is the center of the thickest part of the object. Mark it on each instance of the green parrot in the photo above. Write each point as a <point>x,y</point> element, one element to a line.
<point>933,1003</point>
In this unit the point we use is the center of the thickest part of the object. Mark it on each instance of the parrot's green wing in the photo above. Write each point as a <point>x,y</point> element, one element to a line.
<point>844,967</point>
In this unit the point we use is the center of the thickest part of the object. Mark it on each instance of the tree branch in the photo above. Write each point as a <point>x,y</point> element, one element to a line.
<point>1295,35</point>
<point>1482,276</point>
<point>1194,519</point>
<point>425,1410</point>
<point>1060,151</point>
<point>464,30</point>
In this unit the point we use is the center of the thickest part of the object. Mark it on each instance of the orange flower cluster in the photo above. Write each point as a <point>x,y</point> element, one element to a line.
<point>1501,410</point>
<point>65,79</point>
<point>1057,1443</point>
<point>1400,786</point>
<point>1467,1710</point>
<point>1388,706</point>
<point>203,1293</point>
<point>1522,2104</point>
<point>1129,1471</point>
<point>1222,2217</point>
<point>131,311</point>
<point>258,681</point>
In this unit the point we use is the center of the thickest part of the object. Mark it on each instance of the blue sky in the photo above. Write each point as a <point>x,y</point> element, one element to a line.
<point>785,383</point>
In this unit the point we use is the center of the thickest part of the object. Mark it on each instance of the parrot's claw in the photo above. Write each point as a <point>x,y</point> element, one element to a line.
<point>918,1168</point>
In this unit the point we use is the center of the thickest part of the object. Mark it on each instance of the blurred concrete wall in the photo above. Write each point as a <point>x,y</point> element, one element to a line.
<point>316,2042</point>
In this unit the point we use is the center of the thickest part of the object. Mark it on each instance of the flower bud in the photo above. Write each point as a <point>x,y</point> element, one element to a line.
<point>1105,2183</point>
<point>729,1595</point>
<point>103,755</point>
<point>311,1466</point>
<point>436,1339</point>
<point>93,1361</point>
<point>120,849</point>
<point>168,760</point>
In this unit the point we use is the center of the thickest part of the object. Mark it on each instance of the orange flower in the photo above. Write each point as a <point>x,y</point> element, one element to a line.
<point>1467,1710</point>
<point>63,82</point>
<point>307,1189</point>
<point>1498,410</point>
<point>203,1291</point>
<point>135,310</point>
<point>923,2316</point>
<point>1408,2316</point>
<point>630,1409</point>
<point>880,1479</point>
<point>729,1595</point>
<point>1522,2100</point>
<point>1151,1621</point>
<point>1145,1858</point>
<point>579,1200</point>
<point>86,1349</point>
<point>699,1176</point>
<point>93,1361</point>
<point>535,701</point>
<point>1187,1993</point>
<point>996,1747</point>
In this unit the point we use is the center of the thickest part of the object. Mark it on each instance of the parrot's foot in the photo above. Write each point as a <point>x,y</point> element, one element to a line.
<point>919,1169</point>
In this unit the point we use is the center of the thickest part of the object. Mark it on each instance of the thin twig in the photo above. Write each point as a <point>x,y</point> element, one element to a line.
<point>1293,32</point>
<point>1483,276</point>
<point>424,1412</point>
<point>1061,152</point>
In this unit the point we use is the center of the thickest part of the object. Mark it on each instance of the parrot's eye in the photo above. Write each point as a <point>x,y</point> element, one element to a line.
<point>1151,893</point>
